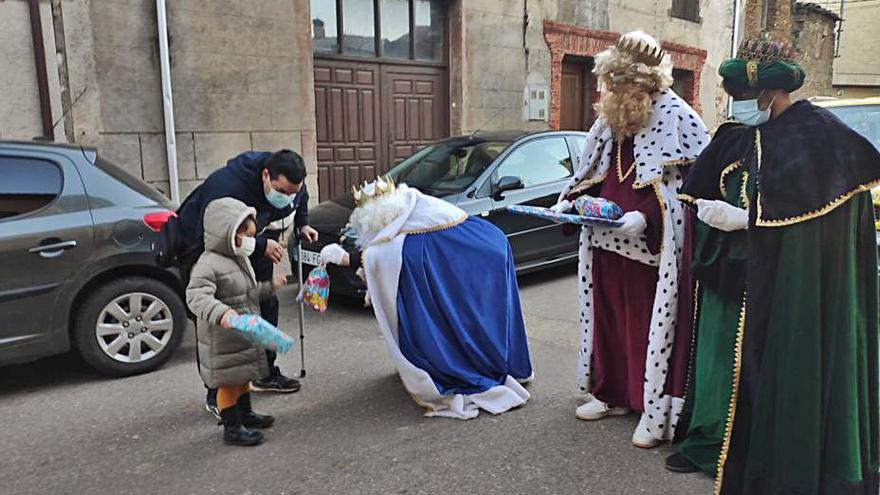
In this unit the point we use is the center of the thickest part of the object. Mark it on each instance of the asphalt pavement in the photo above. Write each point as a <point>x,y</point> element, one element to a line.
<point>351,430</point>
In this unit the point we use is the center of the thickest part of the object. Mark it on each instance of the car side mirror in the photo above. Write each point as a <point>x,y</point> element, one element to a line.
<point>507,183</point>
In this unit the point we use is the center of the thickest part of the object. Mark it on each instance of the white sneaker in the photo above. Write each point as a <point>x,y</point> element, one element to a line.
<point>642,438</point>
<point>596,409</point>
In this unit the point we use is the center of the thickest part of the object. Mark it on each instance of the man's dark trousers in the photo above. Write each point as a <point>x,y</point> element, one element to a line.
<point>264,269</point>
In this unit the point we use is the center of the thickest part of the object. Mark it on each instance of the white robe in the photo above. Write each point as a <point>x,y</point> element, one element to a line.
<point>383,260</point>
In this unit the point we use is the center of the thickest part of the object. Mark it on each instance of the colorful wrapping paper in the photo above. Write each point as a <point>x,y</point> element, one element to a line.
<point>316,290</point>
<point>259,331</point>
<point>551,215</point>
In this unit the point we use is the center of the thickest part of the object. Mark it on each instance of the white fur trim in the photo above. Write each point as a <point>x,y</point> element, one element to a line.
<point>383,261</point>
<point>657,149</point>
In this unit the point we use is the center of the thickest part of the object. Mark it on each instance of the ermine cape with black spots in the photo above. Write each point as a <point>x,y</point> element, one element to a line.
<point>673,138</point>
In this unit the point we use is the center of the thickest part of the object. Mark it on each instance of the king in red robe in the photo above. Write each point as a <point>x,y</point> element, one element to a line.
<point>634,289</point>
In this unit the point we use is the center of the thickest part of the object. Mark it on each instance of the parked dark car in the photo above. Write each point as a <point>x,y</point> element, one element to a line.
<point>481,173</point>
<point>78,262</point>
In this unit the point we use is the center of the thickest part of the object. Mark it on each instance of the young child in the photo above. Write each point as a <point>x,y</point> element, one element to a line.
<point>223,285</point>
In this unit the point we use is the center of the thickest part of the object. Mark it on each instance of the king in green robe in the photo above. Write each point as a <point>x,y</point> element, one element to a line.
<point>804,397</point>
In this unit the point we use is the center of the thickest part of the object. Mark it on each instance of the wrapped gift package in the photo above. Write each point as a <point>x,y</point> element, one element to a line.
<point>588,206</point>
<point>548,214</point>
<point>316,290</point>
<point>261,332</point>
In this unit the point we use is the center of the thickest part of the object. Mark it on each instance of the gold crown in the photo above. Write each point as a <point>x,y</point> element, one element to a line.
<point>372,190</point>
<point>641,47</point>
<point>764,50</point>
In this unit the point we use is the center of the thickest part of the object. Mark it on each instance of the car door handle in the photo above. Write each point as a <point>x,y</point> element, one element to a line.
<point>53,250</point>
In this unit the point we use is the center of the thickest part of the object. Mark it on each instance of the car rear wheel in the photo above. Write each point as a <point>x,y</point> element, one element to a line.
<point>129,326</point>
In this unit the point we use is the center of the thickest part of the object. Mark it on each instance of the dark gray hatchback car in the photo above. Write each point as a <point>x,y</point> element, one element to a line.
<point>78,262</point>
<point>482,173</point>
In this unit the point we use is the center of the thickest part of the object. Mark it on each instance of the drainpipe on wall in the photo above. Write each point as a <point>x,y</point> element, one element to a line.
<point>167,102</point>
<point>42,73</point>
<point>734,44</point>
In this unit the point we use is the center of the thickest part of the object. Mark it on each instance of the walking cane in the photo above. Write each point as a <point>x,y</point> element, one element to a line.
<point>302,309</point>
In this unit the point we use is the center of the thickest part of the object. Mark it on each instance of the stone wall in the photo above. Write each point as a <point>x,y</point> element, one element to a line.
<point>808,28</point>
<point>814,38</point>
<point>778,22</point>
<point>505,49</point>
<point>241,74</point>
<point>20,113</point>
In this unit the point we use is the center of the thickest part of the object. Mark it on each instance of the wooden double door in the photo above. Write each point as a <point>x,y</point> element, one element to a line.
<point>372,115</point>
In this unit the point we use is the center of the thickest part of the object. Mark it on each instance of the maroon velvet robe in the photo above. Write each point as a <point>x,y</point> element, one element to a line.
<point>624,300</point>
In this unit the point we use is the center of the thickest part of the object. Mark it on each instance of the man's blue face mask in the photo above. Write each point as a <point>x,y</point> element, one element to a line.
<point>279,200</point>
<point>276,198</point>
<point>749,113</point>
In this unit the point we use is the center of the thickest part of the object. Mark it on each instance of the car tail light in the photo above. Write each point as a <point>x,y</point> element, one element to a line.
<point>155,221</point>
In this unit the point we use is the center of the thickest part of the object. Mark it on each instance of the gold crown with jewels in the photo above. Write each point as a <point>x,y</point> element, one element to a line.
<point>641,47</point>
<point>383,186</point>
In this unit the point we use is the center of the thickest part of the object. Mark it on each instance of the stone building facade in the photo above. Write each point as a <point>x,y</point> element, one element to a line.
<point>857,67</point>
<point>354,85</point>
<point>814,31</point>
<point>516,43</point>
<point>808,28</point>
<point>241,74</point>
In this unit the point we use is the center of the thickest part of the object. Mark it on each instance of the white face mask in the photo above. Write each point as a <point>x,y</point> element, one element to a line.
<point>747,112</point>
<point>247,248</point>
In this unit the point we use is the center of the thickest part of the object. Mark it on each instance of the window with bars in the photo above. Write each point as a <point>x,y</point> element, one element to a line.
<point>394,29</point>
<point>688,10</point>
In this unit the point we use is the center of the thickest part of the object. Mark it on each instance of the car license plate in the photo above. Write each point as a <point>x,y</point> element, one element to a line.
<point>311,258</point>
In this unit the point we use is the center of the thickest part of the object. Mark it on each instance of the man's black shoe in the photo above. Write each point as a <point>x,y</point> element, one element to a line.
<point>277,383</point>
<point>678,463</point>
<point>211,403</point>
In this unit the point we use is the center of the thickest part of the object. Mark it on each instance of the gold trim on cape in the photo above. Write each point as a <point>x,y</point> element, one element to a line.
<point>686,198</point>
<point>820,212</point>
<point>663,214</point>
<point>729,168</point>
<point>731,410</point>
<point>663,167</point>
<point>437,228</point>
<point>585,184</point>
<point>620,175</point>
<point>760,222</point>
<point>744,190</point>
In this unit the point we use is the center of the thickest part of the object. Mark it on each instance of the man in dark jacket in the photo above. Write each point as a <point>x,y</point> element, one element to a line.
<point>274,185</point>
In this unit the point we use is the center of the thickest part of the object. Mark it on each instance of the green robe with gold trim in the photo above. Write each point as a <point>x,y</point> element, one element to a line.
<point>719,267</point>
<point>804,415</point>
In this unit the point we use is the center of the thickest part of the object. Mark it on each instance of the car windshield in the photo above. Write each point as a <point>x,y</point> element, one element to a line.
<point>865,119</point>
<point>448,167</point>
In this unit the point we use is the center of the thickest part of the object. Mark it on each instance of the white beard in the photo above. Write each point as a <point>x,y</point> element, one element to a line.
<point>368,220</point>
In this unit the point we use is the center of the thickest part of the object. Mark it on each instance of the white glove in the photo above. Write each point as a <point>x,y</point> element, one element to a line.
<point>333,253</point>
<point>563,207</point>
<point>633,223</point>
<point>722,215</point>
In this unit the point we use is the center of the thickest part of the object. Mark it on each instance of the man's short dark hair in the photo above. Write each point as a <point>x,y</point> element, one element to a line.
<point>287,163</point>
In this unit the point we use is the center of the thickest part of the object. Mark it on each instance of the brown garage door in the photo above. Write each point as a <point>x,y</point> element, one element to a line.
<point>415,110</point>
<point>371,115</point>
<point>347,111</point>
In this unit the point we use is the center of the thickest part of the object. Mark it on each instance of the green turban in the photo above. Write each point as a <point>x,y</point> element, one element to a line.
<point>762,63</point>
<point>741,74</point>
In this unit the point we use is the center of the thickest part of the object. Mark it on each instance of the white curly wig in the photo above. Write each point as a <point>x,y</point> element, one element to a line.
<point>629,72</point>
<point>368,220</point>
<point>626,61</point>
